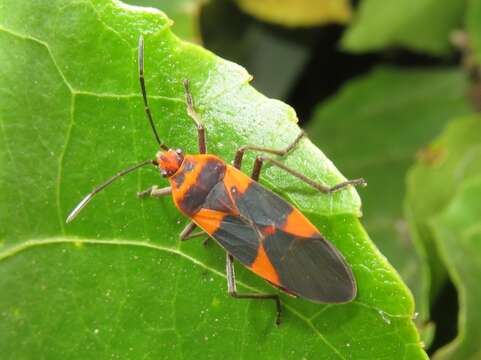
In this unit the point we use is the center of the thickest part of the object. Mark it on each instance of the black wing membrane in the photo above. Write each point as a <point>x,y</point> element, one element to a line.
<point>239,238</point>
<point>310,267</point>
<point>306,266</point>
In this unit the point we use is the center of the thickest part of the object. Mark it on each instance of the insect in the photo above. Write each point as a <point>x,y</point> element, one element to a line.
<point>254,226</point>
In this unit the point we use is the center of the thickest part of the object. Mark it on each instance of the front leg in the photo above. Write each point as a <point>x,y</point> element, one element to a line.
<point>195,117</point>
<point>185,234</point>
<point>155,192</point>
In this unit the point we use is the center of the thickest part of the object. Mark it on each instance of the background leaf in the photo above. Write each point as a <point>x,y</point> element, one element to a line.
<point>473,27</point>
<point>299,12</point>
<point>432,182</point>
<point>458,233</point>
<point>422,25</point>
<point>373,128</point>
<point>435,182</point>
<point>118,281</point>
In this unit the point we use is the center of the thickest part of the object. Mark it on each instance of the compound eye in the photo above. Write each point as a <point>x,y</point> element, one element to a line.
<point>178,151</point>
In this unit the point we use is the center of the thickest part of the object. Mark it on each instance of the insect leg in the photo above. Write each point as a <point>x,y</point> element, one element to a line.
<point>240,153</point>
<point>322,188</point>
<point>188,234</point>
<point>194,116</point>
<point>154,191</point>
<point>232,289</point>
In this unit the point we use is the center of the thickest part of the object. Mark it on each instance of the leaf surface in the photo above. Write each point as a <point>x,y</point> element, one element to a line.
<point>457,231</point>
<point>443,207</point>
<point>117,282</point>
<point>433,180</point>
<point>473,28</point>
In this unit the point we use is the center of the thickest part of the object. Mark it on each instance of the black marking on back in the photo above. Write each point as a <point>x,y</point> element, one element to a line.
<point>187,167</point>
<point>179,179</point>
<point>238,238</point>
<point>241,234</point>
<point>219,200</point>
<point>262,206</point>
<point>212,172</point>
<point>310,267</point>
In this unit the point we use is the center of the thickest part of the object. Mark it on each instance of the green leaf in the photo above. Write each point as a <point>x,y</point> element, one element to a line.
<point>421,25</point>
<point>117,282</point>
<point>457,231</point>
<point>184,13</point>
<point>299,12</point>
<point>433,180</point>
<point>373,128</point>
<point>439,205</point>
<point>473,27</point>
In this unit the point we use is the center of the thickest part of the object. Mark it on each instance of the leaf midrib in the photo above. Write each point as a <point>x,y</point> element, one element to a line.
<point>14,250</point>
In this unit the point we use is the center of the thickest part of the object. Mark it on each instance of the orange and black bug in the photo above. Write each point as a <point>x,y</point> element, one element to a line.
<point>254,225</point>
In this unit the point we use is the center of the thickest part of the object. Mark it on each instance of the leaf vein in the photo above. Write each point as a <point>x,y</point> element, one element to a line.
<point>44,44</point>
<point>35,243</point>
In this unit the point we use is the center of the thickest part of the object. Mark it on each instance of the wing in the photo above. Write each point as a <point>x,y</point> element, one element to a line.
<point>275,240</point>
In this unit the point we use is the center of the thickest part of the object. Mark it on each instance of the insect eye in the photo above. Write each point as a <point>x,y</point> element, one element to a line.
<point>178,151</point>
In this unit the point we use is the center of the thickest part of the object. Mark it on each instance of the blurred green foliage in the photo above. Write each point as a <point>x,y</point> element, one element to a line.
<point>420,25</point>
<point>458,233</point>
<point>299,12</point>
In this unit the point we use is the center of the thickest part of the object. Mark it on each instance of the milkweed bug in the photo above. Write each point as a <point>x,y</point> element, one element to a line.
<point>253,225</point>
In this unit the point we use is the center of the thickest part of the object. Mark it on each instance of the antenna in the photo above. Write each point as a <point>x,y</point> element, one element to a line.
<point>102,186</point>
<point>144,93</point>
